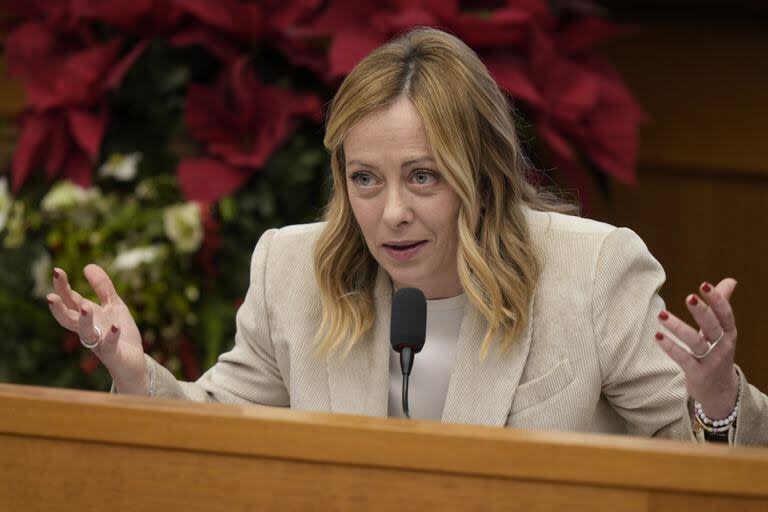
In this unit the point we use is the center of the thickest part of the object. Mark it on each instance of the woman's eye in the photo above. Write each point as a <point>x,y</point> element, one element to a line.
<point>363,179</point>
<point>423,177</point>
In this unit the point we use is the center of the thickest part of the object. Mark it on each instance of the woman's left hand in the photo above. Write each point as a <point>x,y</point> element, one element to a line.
<point>711,379</point>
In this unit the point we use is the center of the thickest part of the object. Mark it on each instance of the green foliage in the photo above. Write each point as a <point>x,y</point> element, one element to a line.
<point>170,295</point>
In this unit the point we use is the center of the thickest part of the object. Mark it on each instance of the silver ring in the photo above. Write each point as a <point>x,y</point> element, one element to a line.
<point>710,345</point>
<point>93,344</point>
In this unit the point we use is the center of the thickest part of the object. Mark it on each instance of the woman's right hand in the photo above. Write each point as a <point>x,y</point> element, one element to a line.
<point>120,348</point>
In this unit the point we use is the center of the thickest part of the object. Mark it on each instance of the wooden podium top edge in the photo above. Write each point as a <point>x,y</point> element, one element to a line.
<point>603,460</point>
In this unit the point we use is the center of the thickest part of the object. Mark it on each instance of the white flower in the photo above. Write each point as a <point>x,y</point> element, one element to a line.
<point>5,202</point>
<point>65,195</point>
<point>192,293</point>
<point>121,167</point>
<point>132,258</point>
<point>41,273</point>
<point>183,226</point>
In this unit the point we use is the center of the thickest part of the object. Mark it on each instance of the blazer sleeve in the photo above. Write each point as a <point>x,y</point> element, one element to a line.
<point>752,423</point>
<point>640,381</point>
<point>246,374</point>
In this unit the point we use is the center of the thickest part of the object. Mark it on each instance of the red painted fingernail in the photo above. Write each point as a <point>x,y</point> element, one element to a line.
<point>706,288</point>
<point>83,311</point>
<point>55,274</point>
<point>659,336</point>
<point>693,300</point>
<point>663,315</point>
<point>50,302</point>
<point>114,328</point>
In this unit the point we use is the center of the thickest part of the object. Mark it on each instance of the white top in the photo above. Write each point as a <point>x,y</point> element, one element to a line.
<point>431,372</point>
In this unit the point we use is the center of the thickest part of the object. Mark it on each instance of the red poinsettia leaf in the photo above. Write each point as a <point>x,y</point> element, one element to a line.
<point>125,15</point>
<point>557,144</point>
<point>60,144</point>
<point>442,9</point>
<point>584,33</point>
<point>542,55</point>
<point>395,22</point>
<point>213,41</point>
<point>78,169</point>
<point>231,17</point>
<point>245,88</point>
<point>610,134</point>
<point>87,130</point>
<point>574,91</point>
<point>341,15</point>
<point>241,121</point>
<point>505,27</point>
<point>613,86</point>
<point>511,75</point>
<point>78,81</point>
<point>283,16</point>
<point>208,180</point>
<point>116,74</point>
<point>348,48</point>
<point>614,151</point>
<point>33,134</point>
<point>207,117</point>
<point>26,45</point>
<point>309,106</point>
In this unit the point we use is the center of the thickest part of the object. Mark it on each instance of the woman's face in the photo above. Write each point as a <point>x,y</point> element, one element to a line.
<point>407,211</point>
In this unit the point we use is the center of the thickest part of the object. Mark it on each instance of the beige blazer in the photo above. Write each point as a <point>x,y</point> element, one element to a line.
<point>587,361</point>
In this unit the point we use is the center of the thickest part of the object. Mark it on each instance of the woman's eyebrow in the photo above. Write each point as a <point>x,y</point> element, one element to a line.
<point>404,164</point>
<point>417,160</point>
<point>360,162</point>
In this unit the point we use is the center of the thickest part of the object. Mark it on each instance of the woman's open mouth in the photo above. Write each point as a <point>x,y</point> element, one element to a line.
<point>405,250</point>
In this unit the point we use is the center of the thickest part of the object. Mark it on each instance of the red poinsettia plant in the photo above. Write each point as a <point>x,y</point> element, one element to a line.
<point>72,54</point>
<point>198,124</point>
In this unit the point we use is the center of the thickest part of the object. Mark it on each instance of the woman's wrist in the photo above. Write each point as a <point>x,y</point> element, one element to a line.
<point>723,422</point>
<point>720,405</point>
<point>134,386</point>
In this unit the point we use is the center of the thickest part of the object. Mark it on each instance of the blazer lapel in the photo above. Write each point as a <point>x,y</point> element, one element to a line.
<point>481,391</point>
<point>359,381</point>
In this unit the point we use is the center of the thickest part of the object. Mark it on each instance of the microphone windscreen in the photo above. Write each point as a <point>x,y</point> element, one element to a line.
<point>409,320</point>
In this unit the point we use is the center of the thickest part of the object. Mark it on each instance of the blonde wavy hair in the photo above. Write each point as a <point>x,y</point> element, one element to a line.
<point>469,126</point>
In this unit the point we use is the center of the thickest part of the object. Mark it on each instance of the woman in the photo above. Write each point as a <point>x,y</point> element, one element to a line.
<point>537,319</point>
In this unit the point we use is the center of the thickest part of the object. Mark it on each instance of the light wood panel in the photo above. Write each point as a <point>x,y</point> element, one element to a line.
<point>66,450</point>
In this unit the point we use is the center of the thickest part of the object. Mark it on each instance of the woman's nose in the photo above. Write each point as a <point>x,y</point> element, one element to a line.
<point>397,209</point>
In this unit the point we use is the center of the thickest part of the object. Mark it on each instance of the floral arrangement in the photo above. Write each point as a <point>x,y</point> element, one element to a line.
<point>161,137</point>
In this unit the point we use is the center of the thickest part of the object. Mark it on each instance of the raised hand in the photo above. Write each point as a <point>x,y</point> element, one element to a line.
<point>108,329</point>
<point>710,374</point>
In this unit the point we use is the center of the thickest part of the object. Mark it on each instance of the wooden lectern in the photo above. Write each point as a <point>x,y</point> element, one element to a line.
<point>79,451</point>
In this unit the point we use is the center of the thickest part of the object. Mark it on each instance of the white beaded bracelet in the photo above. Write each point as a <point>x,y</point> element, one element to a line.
<point>717,426</point>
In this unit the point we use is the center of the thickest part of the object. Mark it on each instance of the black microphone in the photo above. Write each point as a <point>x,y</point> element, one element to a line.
<point>408,331</point>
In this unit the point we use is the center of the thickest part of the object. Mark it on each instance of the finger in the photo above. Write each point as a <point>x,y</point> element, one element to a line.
<point>710,326</point>
<point>109,340</point>
<point>720,305</point>
<point>683,332</point>
<point>678,355</point>
<point>101,284</point>
<point>86,328</point>
<point>726,287</point>
<point>65,316</point>
<point>69,297</point>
